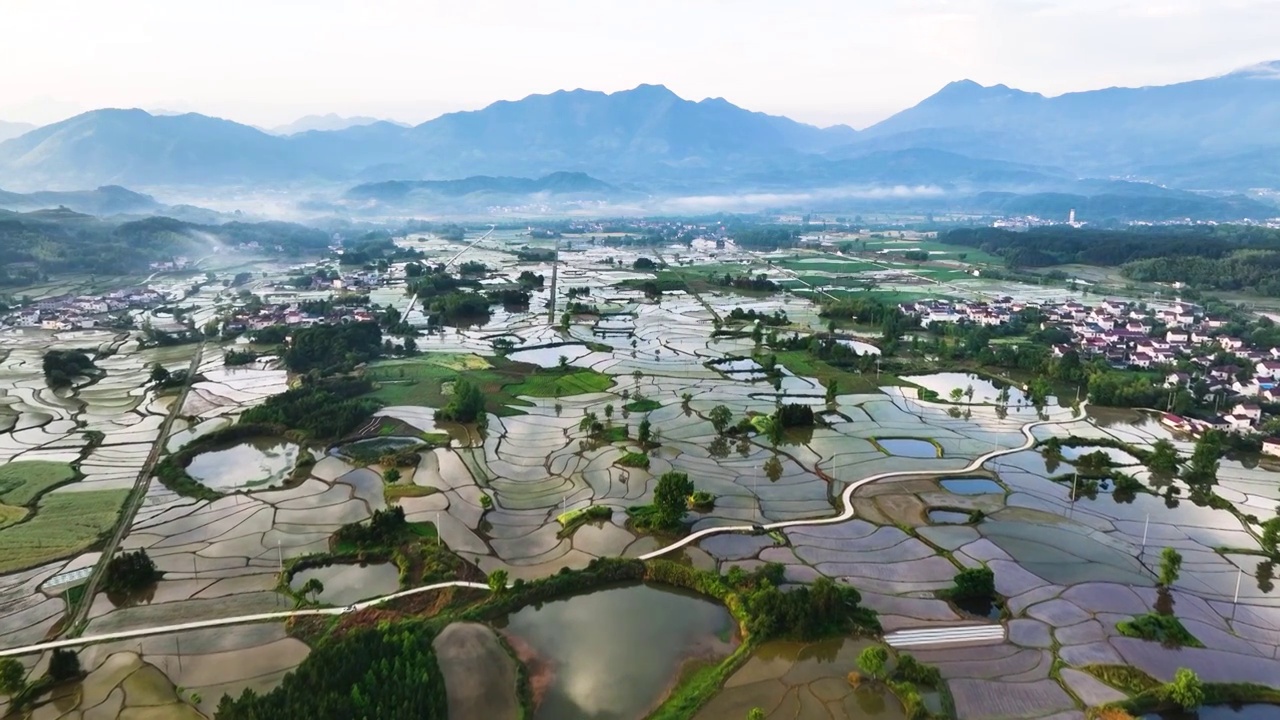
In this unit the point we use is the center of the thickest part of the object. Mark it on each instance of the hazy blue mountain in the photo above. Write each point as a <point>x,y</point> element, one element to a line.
<point>1112,131</point>
<point>1214,134</point>
<point>327,122</point>
<point>14,129</point>
<point>106,200</point>
<point>133,147</point>
<point>1127,201</point>
<point>562,183</point>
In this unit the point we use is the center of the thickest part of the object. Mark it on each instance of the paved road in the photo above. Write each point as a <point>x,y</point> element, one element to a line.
<point>903,639</point>
<point>847,497</point>
<point>136,497</point>
<point>220,622</point>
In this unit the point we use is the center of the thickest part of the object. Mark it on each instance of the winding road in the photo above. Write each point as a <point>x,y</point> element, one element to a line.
<point>905,638</point>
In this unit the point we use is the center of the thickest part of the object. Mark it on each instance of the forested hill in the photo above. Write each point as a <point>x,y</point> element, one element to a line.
<point>1220,257</point>
<point>46,242</point>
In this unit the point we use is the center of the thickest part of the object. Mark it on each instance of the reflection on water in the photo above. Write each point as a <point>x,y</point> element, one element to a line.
<point>1251,711</point>
<point>614,654</point>
<point>908,447</point>
<point>345,584</point>
<point>255,463</point>
<point>971,486</point>
<point>948,517</point>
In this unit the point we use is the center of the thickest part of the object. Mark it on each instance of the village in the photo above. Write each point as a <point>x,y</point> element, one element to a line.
<point>1180,339</point>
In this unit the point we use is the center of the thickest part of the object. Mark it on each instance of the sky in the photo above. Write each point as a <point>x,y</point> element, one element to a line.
<point>268,62</point>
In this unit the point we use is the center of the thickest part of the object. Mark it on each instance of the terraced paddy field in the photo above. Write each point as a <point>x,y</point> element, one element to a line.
<point>963,492</point>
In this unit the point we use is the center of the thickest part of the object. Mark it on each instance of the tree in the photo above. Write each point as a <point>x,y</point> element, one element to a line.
<point>64,664</point>
<point>1164,458</point>
<point>755,714</point>
<point>956,394</point>
<point>466,405</point>
<point>312,587</point>
<point>1185,689</point>
<point>498,581</point>
<point>129,572</point>
<point>872,661</point>
<point>159,374</point>
<point>12,676</point>
<point>608,411</point>
<point>832,389</point>
<point>1203,468</point>
<point>968,393</point>
<point>391,475</point>
<point>720,417</point>
<point>644,433</point>
<point>671,497</point>
<point>1170,566</point>
<point>975,584</point>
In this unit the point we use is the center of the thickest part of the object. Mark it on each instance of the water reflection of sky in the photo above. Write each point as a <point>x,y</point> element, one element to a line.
<point>615,652</point>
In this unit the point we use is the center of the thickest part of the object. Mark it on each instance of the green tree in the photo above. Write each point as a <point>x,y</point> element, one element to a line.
<point>466,405</point>
<point>1185,689</point>
<point>956,394</point>
<point>391,475</point>
<point>755,714</point>
<point>498,581</point>
<point>872,661</point>
<point>313,587</point>
<point>671,497</point>
<point>720,417</point>
<point>563,362</point>
<point>1271,535</point>
<point>832,389</point>
<point>976,584</point>
<point>644,433</point>
<point>608,411</point>
<point>1164,458</point>
<point>64,664</point>
<point>1203,468</point>
<point>1170,566</point>
<point>159,374</point>
<point>12,676</point>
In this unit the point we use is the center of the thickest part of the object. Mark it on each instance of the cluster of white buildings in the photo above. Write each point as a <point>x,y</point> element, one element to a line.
<point>72,312</point>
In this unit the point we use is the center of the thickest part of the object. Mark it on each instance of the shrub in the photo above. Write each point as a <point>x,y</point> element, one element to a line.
<point>634,460</point>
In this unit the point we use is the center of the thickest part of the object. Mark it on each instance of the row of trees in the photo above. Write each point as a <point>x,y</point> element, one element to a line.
<point>62,367</point>
<point>322,409</point>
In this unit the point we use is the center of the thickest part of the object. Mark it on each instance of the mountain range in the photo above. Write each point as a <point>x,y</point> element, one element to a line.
<point>1215,134</point>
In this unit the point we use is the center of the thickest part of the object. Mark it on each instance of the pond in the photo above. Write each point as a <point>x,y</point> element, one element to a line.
<point>860,347</point>
<point>614,653</point>
<point>909,447</point>
<point>984,390</point>
<point>736,366</point>
<point>1250,711</point>
<point>347,584</point>
<point>549,357</point>
<point>257,464</point>
<point>948,517</point>
<point>971,486</point>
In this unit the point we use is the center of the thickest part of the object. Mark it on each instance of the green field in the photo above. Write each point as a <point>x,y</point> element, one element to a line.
<point>63,525</point>
<point>802,363</point>
<point>426,381</point>
<point>23,481</point>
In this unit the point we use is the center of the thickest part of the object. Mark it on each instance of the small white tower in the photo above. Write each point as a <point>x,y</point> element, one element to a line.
<point>1071,217</point>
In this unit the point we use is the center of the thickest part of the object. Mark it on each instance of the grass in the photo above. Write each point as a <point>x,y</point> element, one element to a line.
<point>572,520</point>
<point>23,481</point>
<point>1158,628</point>
<point>395,491</point>
<point>1129,679</point>
<point>645,405</point>
<point>427,381</point>
<point>633,460</point>
<point>10,515</point>
<point>616,433</point>
<point>802,363</point>
<point>424,530</point>
<point>63,524</point>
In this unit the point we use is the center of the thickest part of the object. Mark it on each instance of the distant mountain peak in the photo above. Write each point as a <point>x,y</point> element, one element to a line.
<point>1269,70</point>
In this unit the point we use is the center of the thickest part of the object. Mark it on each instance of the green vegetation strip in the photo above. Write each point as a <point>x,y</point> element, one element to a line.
<point>1158,628</point>
<point>63,524</point>
<point>428,381</point>
<point>23,481</point>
